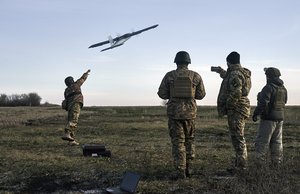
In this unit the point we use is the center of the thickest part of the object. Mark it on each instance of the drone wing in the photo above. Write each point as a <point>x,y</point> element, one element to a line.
<point>118,41</point>
<point>112,47</point>
<point>99,44</point>
<point>143,30</point>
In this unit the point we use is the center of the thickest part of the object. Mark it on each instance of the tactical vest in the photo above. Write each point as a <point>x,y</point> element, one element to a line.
<point>182,86</point>
<point>275,109</point>
<point>278,102</point>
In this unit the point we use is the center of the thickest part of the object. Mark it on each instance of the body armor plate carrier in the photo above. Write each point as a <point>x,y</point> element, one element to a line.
<point>183,85</point>
<point>279,99</point>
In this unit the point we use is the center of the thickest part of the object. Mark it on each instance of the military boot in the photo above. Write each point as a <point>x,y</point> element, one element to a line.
<point>73,143</point>
<point>67,136</point>
<point>178,174</point>
<point>238,166</point>
<point>241,164</point>
<point>189,168</point>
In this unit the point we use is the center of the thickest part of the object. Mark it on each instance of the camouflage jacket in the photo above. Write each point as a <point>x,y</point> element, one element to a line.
<point>231,95</point>
<point>181,108</point>
<point>73,93</point>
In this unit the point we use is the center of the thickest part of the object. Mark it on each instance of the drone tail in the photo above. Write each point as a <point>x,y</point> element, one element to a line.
<point>110,40</point>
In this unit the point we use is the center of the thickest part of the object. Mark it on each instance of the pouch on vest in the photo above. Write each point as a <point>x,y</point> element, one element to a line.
<point>182,86</point>
<point>279,99</point>
<point>275,109</point>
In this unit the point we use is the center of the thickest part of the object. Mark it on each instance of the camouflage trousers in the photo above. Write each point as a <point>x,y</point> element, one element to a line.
<point>269,135</point>
<point>73,115</point>
<point>236,124</point>
<point>182,133</point>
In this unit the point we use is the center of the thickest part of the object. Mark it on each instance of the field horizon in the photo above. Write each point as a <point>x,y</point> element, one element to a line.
<point>34,159</point>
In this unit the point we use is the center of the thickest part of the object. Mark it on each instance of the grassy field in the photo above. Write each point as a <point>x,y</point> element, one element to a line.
<point>34,159</point>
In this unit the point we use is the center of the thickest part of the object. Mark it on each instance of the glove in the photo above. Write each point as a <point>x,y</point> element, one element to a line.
<point>254,118</point>
<point>216,69</point>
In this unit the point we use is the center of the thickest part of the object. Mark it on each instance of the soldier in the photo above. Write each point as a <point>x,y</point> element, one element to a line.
<point>73,103</point>
<point>233,102</point>
<point>181,87</point>
<point>270,107</point>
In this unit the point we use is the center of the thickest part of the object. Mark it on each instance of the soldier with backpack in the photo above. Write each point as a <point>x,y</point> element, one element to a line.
<point>270,107</point>
<point>233,101</point>
<point>181,87</point>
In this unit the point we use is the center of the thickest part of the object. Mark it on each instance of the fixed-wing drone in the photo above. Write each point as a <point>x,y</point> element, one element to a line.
<point>120,40</point>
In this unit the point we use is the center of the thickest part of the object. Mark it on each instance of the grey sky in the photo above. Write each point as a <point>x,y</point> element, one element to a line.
<point>43,41</point>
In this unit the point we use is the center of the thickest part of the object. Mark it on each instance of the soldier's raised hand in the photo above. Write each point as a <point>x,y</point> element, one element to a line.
<point>216,69</point>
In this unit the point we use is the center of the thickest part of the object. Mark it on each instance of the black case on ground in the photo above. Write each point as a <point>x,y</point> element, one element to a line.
<point>95,150</point>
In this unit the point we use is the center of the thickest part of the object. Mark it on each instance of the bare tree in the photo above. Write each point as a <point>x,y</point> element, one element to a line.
<point>31,99</point>
<point>34,99</point>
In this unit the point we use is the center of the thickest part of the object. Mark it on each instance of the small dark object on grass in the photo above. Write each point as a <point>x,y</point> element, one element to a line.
<point>95,150</point>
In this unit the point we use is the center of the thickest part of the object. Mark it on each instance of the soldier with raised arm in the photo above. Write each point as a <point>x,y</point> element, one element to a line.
<point>233,101</point>
<point>181,87</point>
<point>73,103</point>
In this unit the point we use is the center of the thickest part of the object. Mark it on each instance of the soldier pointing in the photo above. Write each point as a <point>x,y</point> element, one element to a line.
<point>233,101</point>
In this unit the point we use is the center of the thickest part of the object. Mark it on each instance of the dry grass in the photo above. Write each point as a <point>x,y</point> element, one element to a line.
<point>35,160</point>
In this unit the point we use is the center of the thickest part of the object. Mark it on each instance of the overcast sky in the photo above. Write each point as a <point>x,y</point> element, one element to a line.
<point>44,41</point>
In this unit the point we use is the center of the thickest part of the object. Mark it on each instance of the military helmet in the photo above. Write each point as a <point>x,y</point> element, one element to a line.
<point>182,57</point>
<point>69,80</point>
<point>272,72</point>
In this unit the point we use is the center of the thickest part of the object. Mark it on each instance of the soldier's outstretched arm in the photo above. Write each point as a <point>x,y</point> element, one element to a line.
<point>82,79</point>
<point>219,70</point>
<point>223,73</point>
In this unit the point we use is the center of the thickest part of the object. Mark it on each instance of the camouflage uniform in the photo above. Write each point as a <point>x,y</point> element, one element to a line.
<point>270,107</point>
<point>182,114</point>
<point>74,100</point>
<point>233,102</point>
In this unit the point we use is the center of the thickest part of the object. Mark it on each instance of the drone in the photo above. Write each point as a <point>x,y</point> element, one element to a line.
<point>120,40</point>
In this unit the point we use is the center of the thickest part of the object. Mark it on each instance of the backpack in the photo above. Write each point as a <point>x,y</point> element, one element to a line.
<point>64,105</point>
<point>278,98</point>
<point>275,108</point>
<point>247,81</point>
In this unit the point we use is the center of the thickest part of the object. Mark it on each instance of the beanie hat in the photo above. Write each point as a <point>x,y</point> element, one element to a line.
<point>272,72</point>
<point>233,58</point>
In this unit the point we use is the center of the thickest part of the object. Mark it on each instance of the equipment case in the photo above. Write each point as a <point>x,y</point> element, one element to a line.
<point>95,150</point>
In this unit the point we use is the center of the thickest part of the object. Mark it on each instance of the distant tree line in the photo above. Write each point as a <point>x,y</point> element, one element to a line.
<point>31,99</point>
